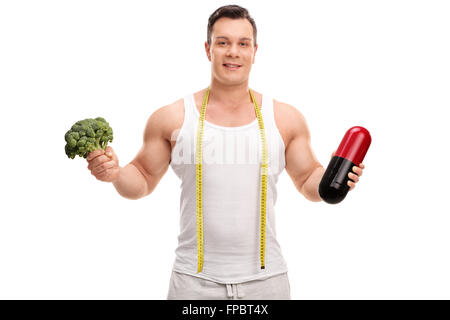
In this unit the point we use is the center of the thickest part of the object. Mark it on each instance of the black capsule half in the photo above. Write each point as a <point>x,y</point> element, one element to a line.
<point>333,187</point>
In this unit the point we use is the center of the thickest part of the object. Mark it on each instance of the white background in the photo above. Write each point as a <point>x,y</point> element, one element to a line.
<point>383,65</point>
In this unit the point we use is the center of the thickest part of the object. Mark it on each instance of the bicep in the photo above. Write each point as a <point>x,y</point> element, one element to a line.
<point>153,158</point>
<point>300,158</point>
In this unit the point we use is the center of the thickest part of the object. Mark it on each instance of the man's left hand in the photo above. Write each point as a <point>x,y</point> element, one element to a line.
<point>354,175</point>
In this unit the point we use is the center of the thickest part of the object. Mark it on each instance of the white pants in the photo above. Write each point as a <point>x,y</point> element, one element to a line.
<point>186,287</point>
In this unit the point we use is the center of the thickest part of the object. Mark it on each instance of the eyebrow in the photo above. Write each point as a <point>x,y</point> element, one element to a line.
<point>223,37</point>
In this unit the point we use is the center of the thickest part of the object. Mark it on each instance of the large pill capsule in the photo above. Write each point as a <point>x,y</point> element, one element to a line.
<point>333,187</point>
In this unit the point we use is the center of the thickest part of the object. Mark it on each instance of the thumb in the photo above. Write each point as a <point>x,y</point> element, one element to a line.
<point>109,151</point>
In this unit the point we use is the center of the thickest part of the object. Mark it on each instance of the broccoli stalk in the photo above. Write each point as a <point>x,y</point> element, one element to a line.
<point>97,144</point>
<point>86,136</point>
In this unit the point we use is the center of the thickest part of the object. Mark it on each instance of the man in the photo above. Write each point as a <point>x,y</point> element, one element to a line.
<point>224,249</point>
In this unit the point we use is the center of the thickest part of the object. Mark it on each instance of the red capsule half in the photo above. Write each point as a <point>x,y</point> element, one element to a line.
<point>333,187</point>
<point>354,145</point>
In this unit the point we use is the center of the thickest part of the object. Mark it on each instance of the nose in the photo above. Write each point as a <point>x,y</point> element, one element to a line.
<point>233,51</point>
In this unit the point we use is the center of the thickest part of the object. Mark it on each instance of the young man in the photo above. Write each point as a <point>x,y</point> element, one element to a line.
<point>227,245</point>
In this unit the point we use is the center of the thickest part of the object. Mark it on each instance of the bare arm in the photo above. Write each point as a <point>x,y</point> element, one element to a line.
<point>301,163</point>
<point>140,177</point>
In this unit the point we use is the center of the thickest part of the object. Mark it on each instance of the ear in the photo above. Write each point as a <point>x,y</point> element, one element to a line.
<point>207,49</point>
<point>254,53</point>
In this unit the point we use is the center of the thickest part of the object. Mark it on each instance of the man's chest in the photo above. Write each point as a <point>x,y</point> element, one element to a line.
<point>235,119</point>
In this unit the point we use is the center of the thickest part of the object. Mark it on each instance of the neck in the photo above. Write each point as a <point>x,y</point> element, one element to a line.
<point>229,97</point>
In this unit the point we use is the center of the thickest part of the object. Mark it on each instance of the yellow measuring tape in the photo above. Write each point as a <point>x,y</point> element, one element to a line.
<point>199,181</point>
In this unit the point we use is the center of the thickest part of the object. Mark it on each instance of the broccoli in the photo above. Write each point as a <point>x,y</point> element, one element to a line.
<point>86,136</point>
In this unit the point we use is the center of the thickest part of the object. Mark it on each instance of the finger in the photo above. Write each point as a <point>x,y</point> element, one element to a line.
<point>357,170</point>
<point>103,167</point>
<point>351,184</point>
<point>92,155</point>
<point>102,176</point>
<point>109,151</point>
<point>97,161</point>
<point>362,166</point>
<point>353,176</point>
<point>107,175</point>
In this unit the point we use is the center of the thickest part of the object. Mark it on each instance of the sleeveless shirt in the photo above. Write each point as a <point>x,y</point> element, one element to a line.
<point>231,197</point>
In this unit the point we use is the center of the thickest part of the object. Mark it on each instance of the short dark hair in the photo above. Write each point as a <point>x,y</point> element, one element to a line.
<point>233,12</point>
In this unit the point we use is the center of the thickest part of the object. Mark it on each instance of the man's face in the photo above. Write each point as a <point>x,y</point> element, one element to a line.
<point>232,51</point>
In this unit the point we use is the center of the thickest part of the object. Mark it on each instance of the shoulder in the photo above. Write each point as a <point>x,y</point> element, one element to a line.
<point>165,120</point>
<point>290,122</point>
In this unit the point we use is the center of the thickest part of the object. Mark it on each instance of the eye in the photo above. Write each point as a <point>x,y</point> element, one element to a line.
<point>244,44</point>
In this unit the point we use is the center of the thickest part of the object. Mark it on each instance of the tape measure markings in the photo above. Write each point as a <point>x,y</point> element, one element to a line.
<point>199,181</point>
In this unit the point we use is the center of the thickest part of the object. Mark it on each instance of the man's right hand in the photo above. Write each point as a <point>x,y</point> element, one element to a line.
<point>104,164</point>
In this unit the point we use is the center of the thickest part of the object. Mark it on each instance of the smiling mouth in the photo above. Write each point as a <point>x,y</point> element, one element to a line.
<point>232,66</point>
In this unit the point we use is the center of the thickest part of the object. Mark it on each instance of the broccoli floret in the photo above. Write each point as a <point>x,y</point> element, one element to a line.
<point>86,136</point>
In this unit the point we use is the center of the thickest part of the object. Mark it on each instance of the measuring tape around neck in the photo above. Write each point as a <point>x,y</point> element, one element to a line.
<point>199,181</point>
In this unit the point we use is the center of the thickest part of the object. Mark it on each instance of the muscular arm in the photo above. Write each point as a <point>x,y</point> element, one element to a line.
<point>301,163</point>
<point>140,177</point>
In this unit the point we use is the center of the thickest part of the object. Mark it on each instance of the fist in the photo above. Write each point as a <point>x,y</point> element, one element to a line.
<point>358,171</point>
<point>103,164</point>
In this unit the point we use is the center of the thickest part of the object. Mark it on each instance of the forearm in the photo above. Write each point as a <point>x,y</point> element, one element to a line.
<point>310,188</point>
<point>131,183</point>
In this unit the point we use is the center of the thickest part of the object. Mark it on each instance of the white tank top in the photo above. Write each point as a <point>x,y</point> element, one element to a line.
<point>231,197</point>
